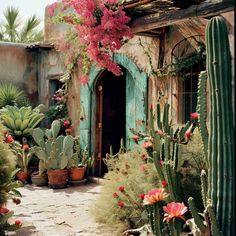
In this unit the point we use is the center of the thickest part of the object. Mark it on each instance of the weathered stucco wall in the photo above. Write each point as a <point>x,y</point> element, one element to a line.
<point>19,67</point>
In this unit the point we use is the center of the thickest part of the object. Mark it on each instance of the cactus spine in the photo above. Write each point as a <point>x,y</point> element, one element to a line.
<point>221,134</point>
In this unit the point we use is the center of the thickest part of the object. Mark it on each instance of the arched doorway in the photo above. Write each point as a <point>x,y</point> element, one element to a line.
<point>110,116</point>
<point>133,84</point>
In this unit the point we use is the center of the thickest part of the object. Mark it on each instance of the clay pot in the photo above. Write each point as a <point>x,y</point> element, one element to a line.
<point>76,173</point>
<point>57,178</point>
<point>22,176</point>
<point>39,180</point>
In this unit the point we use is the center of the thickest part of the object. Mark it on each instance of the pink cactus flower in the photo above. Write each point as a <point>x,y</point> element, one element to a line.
<point>154,196</point>
<point>194,116</point>
<point>147,144</point>
<point>115,195</point>
<point>66,123</point>
<point>142,195</point>
<point>188,134</point>
<point>121,204</point>
<point>9,139</point>
<point>135,137</point>
<point>174,210</point>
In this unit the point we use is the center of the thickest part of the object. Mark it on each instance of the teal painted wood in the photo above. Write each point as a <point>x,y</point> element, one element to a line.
<point>136,97</point>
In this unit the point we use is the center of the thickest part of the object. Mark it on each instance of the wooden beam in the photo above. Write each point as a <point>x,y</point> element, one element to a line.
<point>205,9</point>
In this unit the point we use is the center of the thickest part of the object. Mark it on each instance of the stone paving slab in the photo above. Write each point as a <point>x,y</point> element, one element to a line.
<point>58,212</point>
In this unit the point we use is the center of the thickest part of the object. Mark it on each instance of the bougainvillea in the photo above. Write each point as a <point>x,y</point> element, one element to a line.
<point>99,28</point>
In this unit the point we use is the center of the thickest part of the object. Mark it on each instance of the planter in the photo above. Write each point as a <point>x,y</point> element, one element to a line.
<point>57,178</point>
<point>39,180</point>
<point>22,176</point>
<point>76,173</point>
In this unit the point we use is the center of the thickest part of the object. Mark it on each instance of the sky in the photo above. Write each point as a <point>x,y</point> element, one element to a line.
<point>26,7</point>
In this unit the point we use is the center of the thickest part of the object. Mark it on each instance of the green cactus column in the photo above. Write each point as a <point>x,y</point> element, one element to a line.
<point>221,133</point>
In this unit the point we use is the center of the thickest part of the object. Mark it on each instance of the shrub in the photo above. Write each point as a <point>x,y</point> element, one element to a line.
<point>11,95</point>
<point>120,203</point>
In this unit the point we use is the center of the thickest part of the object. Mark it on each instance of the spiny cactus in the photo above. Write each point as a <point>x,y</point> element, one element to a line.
<point>221,157</point>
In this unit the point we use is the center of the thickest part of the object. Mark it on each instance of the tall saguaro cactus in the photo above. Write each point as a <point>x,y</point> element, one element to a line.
<point>221,125</point>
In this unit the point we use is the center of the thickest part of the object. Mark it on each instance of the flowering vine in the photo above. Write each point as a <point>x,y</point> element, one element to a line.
<point>99,29</point>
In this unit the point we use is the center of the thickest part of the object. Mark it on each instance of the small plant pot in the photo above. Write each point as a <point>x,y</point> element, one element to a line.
<point>23,176</point>
<point>57,178</point>
<point>76,173</point>
<point>39,180</point>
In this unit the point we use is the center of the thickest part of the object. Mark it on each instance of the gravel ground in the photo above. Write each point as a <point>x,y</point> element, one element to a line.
<point>58,212</point>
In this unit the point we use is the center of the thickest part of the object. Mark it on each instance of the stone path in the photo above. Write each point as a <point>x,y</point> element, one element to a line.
<point>58,212</point>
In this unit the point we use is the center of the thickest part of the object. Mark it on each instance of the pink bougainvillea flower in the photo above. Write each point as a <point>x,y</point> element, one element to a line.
<point>188,134</point>
<point>18,222</point>
<point>51,9</point>
<point>194,116</point>
<point>154,196</point>
<point>121,204</point>
<point>84,79</point>
<point>66,123</point>
<point>3,210</point>
<point>141,196</point>
<point>147,144</point>
<point>164,183</point>
<point>135,137</point>
<point>174,210</point>
<point>121,189</point>
<point>9,139</point>
<point>115,195</point>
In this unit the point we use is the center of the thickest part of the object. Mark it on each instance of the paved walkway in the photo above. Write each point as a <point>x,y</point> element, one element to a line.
<point>58,212</point>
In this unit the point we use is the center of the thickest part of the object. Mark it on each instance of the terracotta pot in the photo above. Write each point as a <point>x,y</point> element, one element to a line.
<point>22,176</point>
<point>39,180</point>
<point>76,173</point>
<point>57,178</point>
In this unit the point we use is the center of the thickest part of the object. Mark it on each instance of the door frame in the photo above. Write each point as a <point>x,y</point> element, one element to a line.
<point>88,98</point>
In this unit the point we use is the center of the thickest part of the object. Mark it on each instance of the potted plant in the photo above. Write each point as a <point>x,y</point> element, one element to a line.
<point>24,155</point>
<point>53,152</point>
<point>77,163</point>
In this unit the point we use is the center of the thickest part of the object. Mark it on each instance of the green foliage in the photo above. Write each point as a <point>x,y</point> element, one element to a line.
<point>13,29</point>
<point>20,121</point>
<point>53,151</point>
<point>11,95</point>
<point>137,177</point>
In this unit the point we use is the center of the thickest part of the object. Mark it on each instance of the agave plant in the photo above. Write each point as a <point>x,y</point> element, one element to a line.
<point>11,95</point>
<point>20,121</point>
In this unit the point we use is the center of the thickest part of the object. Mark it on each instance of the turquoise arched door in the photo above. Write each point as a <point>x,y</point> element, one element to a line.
<point>135,103</point>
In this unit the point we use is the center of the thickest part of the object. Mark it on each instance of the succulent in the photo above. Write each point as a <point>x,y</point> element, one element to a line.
<point>20,121</point>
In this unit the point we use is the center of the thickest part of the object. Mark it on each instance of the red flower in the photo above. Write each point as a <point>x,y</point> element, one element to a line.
<point>188,134</point>
<point>135,137</point>
<point>4,210</point>
<point>66,123</point>
<point>147,144</point>
<point>9,139</point>
<point>115,195</point>
<point>154,196</point>
<point>25,147</point>
<point>121,204</point>
<point>174,210</point>
<point>194,116</point>
<point>68,131</point>
<point>144,157</point>
<point>143,167</point>
<point>141,196</point>
<point>164,183</point>
<point>121,189</point>
<point>18,222</point>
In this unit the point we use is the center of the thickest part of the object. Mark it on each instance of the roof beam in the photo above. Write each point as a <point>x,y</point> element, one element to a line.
<point>205,9</point>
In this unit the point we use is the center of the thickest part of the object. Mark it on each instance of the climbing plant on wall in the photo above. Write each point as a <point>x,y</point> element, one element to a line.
<point>98,29</point>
